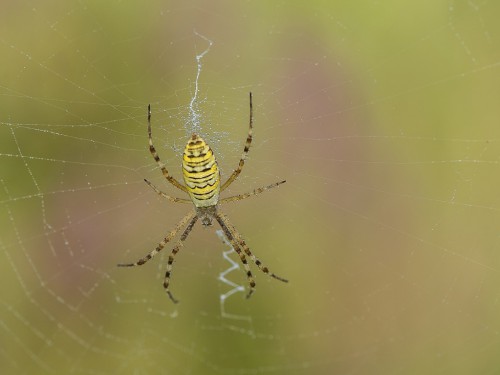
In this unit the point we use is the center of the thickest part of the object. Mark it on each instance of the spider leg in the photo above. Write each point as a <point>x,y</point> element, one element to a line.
<point>153,152</point>
<point>248,142</point>
<point>175,250</point>
<point>221,218</point>
<point>234,243</point>
<point>254,192</point>
<point>162,244</point>
<point>161,193</point>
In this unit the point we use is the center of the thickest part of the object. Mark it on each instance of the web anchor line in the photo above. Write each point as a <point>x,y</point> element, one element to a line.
<point>193,105</point>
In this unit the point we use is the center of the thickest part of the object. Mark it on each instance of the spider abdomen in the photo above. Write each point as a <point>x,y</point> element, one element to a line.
<point>201,173</point>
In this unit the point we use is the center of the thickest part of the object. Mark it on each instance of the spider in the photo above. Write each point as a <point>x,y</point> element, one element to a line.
<point>203,184</point>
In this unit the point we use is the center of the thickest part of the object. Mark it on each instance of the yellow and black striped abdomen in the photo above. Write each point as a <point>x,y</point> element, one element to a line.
<point>201,173</point>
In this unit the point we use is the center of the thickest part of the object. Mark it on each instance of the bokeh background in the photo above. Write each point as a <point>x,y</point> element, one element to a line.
<point>383,117</point>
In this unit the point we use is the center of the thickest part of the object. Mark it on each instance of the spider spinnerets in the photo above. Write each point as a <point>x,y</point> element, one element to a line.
<point>202,183</point>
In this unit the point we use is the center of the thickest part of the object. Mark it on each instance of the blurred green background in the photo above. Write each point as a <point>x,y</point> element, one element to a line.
<point>381,116</point>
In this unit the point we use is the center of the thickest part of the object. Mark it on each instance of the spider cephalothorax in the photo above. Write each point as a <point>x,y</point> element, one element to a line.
<point>206,214</point>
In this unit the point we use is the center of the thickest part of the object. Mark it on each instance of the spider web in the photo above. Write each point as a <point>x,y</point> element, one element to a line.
<point>383,119</point>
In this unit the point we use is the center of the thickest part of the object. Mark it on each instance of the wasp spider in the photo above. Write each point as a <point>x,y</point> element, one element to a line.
<point>203,184</point>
